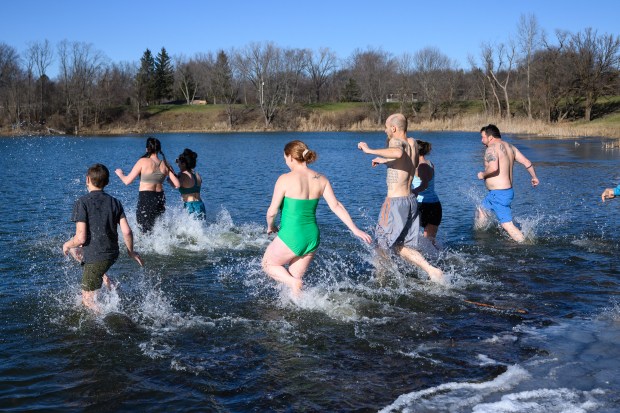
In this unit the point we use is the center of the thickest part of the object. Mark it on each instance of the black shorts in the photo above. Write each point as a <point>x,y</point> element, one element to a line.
<point>151,205</point>
<point>430,213</point>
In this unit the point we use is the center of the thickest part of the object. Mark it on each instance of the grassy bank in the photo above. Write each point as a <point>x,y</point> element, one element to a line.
<point>464,116</point>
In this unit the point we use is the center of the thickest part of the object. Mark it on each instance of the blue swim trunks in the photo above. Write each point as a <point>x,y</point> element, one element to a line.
<point>498,201</point>
<point>196,208</point>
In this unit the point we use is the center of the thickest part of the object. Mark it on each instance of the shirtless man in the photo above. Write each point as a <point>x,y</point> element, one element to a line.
<point>399,222</point>
<point>499,159</point>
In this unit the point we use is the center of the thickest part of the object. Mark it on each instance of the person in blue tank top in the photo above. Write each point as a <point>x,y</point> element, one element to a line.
<point>296,195</point>
<point>610,193</point>
<point>190,182</point>
<point>424,188</point>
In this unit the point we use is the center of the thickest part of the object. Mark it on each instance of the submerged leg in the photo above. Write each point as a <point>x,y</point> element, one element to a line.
<point>514,232</point>
<point>430,232</point>
<point>276,256</point>
<point>482,218</point>
<point>89,299</point>
<point>414,257</point>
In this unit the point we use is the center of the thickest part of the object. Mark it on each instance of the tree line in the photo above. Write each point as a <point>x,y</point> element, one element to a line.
<point>533,75</point>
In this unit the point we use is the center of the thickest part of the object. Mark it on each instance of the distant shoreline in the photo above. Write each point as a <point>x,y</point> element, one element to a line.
<point>471,123</point>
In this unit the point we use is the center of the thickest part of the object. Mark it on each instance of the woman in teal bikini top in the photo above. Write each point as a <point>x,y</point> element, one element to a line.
<point>297,195</point>
<point>190,183</point>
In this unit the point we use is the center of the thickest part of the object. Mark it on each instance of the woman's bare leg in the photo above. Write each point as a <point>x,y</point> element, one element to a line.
<point>276,256</point>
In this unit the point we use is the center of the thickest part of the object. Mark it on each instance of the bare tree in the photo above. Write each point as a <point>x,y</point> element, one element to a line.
<point>186,78</point>
<point>42,56</point>
<point>113,89</point>
<point>29,89</point>
<point>321,66</point>
<point>262,65</point>
<point>596,61</point>
<point>294,64</point>
<point>431,70</point>
<point>498,62</point>
<point>80,66</point>
<point>11,84</point>
<point>529,37</point>
<point>404,84</point>
<point>374,70</point>
<point>481,81</point>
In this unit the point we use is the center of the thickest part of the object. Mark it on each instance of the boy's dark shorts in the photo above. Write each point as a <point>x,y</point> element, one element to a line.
<point>92,277</point>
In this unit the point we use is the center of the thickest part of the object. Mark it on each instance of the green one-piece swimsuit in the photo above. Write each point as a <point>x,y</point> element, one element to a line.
<point>298,228</point>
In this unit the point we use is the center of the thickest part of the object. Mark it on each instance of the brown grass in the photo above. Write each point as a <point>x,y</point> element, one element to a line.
<point>350,118</point>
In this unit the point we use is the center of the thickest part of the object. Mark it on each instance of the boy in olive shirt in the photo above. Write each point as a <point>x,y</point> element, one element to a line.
<point>96,216</point>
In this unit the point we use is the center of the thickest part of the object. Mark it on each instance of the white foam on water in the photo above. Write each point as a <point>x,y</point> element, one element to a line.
<point>486,360</point>
<point>336,305</point>
<point>544,401</point>
<point>579,374</point>
<point>502,338</point>
<point>455,396</point>
<point>177,230</point>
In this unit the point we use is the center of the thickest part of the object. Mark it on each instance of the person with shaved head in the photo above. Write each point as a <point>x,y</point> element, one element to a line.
<point>399,222</point>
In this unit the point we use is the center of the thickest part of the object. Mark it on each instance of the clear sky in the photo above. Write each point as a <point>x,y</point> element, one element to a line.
<point>122,30</point>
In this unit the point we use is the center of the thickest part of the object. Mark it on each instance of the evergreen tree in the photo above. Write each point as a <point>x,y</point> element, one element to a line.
<point>225,89</point>
<point>164,76</point>
<point>350,92</point>
<point>145,79</point>
<point>222,80</point>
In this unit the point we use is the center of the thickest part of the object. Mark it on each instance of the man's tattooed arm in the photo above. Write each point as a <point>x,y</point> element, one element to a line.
<point>490,156</point>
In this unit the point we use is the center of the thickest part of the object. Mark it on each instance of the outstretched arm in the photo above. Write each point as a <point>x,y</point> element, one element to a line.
<point>379,161</point>
<point>172,178</point>
<point>393,152</point>
<point>341,212</point>
<point>519,157</point>
<point>135,172</point>
<point>425,173</point>
<point>610,193</point>
<point>276,200</point>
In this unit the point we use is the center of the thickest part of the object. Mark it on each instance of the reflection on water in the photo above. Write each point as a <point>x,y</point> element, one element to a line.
<point>529,327</point>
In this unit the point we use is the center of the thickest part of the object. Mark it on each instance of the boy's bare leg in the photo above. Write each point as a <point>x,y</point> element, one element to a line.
<point>89,300</point>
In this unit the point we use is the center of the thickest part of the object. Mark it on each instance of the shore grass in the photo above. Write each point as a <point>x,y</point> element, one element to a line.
<point>346,116</point>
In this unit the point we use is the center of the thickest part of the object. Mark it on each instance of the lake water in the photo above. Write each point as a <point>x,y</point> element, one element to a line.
<point>201,328</point>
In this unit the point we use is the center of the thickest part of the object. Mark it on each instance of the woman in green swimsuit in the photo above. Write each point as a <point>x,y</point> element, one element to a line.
<point>297,194</point>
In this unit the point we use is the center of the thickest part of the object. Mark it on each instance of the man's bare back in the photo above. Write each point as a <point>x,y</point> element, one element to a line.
<point>504,154</point>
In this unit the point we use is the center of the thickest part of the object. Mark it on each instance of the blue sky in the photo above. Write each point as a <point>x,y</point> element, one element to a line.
<point>122,30</point>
